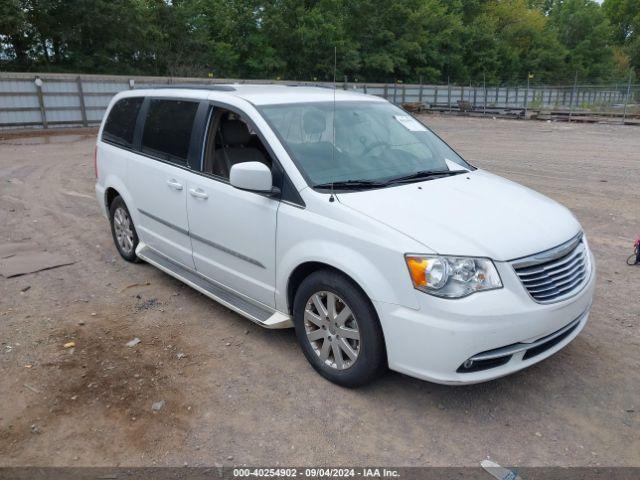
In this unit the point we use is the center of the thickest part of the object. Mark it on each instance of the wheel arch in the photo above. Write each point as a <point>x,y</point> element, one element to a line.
<point>115,187</point>
<point>305,269</point>
<point>379,272</point>
<point>110,195</point>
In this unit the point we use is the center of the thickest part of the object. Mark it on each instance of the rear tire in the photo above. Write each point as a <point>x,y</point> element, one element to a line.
<point>123,230</point>
<point>338,329</point>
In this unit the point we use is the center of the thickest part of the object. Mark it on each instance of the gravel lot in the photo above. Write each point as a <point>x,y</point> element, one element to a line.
<point>237,394</point>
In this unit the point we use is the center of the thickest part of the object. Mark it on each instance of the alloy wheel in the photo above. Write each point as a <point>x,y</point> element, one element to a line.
<point>123,229</point>
<point>332,330</point>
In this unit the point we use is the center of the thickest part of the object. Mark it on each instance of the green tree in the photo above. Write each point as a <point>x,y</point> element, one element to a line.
<point>14,31</point>
<point>406,39</point>
<point>624,16</point>
<point>505,40</point>
<point>526,44</point>
<point>376,40</point>
<point>585,31</point>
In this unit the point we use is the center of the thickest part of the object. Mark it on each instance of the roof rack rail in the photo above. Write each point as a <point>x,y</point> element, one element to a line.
<point>221,88</point>
<point>306,84</point>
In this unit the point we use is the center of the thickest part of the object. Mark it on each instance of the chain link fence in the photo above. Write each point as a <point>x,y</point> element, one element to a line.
<point>52,100</point>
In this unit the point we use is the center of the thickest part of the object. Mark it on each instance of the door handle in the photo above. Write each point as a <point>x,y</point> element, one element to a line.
<point>198,192</point>
<point>173,183</point>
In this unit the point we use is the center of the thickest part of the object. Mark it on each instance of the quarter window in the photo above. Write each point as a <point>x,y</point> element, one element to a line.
<point>121,123</point>
<point>167,129</point>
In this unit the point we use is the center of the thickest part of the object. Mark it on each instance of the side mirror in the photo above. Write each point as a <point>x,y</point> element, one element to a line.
<point>253,176</point>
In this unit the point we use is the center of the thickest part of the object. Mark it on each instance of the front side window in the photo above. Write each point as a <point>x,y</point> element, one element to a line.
<point>231,140</point>
<point>121,122</point>
<point>167,129</point>
<point>374,142</point>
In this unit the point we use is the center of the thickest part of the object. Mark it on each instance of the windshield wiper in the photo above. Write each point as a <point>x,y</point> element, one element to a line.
<point>364,184</point>
<point>425,175</point>
<point>351,184</point>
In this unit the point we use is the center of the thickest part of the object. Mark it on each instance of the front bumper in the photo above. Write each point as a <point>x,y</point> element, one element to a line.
<point>433,342</point>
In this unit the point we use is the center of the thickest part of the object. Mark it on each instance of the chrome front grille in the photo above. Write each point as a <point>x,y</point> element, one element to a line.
<point>555,274</point>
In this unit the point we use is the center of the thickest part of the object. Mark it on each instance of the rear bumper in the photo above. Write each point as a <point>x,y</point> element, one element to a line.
<point>100,196</point>
<point>503,328</point>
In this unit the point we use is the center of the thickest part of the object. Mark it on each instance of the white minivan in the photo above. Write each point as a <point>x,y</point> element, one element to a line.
<point>343,216</point>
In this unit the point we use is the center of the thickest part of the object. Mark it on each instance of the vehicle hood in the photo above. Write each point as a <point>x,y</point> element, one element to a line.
<point>474,214</point>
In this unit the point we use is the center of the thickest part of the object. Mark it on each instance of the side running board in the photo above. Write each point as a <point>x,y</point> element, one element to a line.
<point>259,314</point>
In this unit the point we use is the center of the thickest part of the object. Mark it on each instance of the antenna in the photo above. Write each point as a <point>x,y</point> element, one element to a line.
<point>333,120</point>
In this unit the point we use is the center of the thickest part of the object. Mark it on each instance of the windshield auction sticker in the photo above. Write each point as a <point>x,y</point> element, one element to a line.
<point>410,123</point>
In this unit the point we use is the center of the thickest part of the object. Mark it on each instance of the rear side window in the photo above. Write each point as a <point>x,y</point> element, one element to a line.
<point>121,123</point>
<point>167,129</point>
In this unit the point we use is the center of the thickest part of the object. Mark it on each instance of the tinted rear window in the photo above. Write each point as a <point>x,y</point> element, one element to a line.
<point>167,129</point>
<point>121,122</point>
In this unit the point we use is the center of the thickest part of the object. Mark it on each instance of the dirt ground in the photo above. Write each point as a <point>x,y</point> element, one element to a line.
<point>237,394</point>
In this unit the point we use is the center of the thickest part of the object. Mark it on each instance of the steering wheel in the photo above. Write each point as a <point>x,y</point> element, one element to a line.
<point>374,145</point>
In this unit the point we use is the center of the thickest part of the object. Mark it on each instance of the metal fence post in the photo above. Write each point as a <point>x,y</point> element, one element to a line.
<point>435,96</point>
<point>575,86</point>
<point>385,92</point>
<point>404,93</point>
<point>420,91</point>
<point>43,112</point>
<point>449,93</point>
<point>83,108</point>
<point>526,99</point>
<point>484,87</point>
<point>626,98</point>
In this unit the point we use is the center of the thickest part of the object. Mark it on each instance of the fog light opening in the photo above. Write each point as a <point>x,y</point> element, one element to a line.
<point>470,365</point>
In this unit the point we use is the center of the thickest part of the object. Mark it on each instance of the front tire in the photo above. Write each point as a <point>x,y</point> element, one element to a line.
<point>123,231</point>
<point>338,329</point>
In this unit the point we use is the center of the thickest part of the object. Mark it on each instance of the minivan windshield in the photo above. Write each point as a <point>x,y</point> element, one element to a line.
<point>376,144</point>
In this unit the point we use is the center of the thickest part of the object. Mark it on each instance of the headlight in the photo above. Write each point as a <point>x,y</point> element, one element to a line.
<point>452,277</point>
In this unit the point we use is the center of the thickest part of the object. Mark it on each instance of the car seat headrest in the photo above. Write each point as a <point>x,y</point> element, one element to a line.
<point>235,132</point>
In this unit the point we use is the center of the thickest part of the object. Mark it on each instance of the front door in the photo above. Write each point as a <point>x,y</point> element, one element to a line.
<point>232,231</point>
